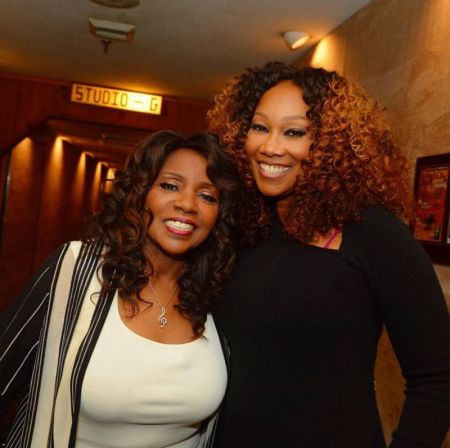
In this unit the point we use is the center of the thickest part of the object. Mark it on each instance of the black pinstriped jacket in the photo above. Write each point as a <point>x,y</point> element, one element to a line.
<point>36,336</point>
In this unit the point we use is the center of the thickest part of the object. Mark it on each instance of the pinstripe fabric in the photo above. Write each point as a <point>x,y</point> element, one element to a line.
<point>84,270</point>
<point>51,309</point>
<point>21,333</point>
<point>28,424</point>
<point>23,430</point>
<point>15,436</point>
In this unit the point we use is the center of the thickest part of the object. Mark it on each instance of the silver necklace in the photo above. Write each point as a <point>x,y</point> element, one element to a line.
<point>162,318</point>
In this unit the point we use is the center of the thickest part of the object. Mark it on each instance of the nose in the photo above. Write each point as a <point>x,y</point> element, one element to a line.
<point>272,146</point>
<point>186,201</point>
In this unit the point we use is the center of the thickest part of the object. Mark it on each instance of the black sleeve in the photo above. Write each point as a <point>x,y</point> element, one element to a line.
<point>20,328</point>
<point>413,308</point>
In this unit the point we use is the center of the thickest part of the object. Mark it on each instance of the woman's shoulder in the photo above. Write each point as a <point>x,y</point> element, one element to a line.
<point>379,214</point>
<point>378,227</point>
<point>89,248</point>
<point>378,220</point>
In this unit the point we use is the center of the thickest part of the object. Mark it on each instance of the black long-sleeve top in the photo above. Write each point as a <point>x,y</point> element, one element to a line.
<point>303,325</point>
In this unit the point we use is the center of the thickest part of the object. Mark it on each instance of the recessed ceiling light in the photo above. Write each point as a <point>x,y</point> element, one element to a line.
<point>118,3</point>
<point>295,39</point>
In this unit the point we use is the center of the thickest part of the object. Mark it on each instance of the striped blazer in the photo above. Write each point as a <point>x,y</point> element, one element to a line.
<point>46,341</point>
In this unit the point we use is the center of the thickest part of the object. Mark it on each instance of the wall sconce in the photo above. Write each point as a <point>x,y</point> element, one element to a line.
<point>295,39</point>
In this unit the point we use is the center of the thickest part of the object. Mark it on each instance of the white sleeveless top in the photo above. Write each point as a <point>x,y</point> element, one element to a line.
<point>138,393</point>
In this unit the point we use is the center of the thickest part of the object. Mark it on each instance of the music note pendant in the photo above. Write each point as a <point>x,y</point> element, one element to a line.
<point>162,318</point>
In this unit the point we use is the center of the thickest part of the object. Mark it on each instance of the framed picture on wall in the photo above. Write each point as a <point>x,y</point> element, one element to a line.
<point>432,198</point>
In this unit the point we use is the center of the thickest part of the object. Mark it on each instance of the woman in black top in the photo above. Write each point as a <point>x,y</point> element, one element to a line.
<point>329,263</point>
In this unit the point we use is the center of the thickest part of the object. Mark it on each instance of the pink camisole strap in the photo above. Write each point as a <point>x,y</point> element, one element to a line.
<point>334,234</point>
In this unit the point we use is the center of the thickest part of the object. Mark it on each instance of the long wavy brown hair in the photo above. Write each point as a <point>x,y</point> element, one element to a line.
<point>121,226</point>
<point>353,160</point>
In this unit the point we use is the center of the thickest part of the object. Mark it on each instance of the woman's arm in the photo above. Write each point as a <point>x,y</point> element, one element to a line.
<point>20,329</point>
<point>411,303</point>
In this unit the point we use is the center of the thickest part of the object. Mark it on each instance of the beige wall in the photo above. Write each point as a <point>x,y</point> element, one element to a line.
<point>399,50</point>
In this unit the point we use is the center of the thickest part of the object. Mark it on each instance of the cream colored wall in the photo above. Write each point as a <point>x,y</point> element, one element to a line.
<point>399,50</point>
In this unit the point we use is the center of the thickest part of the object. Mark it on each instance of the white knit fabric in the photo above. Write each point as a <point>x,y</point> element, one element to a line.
<point>139,393</point>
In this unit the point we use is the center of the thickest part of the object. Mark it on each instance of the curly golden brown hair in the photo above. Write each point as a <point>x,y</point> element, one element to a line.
<point>353,160</point>
<point>121,226</point>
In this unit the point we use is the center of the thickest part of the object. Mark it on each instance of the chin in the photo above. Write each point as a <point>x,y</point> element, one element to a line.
<point>273,192</point>
<point>275,188</point>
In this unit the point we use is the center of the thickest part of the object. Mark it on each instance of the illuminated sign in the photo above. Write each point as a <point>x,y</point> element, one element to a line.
<point>117,99</point>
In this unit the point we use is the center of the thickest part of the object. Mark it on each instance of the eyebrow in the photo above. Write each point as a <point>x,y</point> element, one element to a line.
<point>285,118</point>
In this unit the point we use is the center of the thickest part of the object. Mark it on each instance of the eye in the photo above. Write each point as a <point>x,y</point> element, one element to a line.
<point>208,197</point>
<point>256,127</point>
<point>295,132</point>
<point>168,186</point>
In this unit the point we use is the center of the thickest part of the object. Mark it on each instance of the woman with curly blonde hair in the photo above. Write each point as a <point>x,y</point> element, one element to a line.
<point>325,263</point>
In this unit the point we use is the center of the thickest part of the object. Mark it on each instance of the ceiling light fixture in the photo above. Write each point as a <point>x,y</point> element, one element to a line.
<point>104,29</point>
<point>118,3</point>
<point>108,31</point>
<point>295,39</point>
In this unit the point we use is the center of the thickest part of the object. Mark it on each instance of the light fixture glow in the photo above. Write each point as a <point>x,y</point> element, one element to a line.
<point>295,39</point>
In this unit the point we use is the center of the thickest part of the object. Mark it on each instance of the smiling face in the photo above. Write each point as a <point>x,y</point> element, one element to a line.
<point>277,140</point>
<point>184,204</point>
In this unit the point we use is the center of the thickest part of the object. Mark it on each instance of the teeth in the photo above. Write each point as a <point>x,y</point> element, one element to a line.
<point>179,225</point>
<point>274,169</point>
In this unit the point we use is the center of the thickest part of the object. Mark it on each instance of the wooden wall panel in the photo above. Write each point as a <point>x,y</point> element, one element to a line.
<point>54,188</point>
<point>62,200</point>
<point>31,101</point>
<point>28,104</point>
<point>4,162</point>
<point>17,253</point>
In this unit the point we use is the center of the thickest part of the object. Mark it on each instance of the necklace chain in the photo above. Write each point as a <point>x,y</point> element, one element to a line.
<point>162,318</point>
